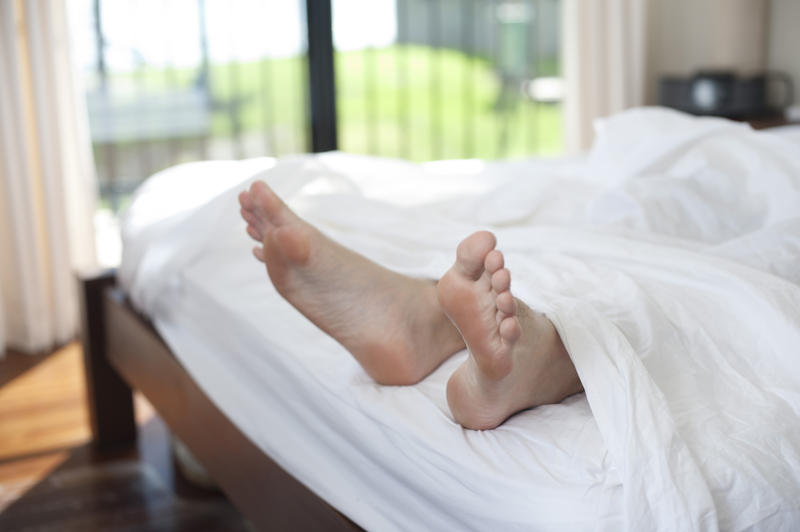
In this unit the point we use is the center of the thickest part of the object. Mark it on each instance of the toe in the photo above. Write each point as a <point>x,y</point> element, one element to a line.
<point>258,252</point>
<point>254,233</point>
<point>245,200</point>
<point>247,216</point>
<point>506,304</point>
<point>510,329</point>
<point>253,220</point>
<point>472,251</point>
<point>501,280</point>
<point>268,205</point>
<point>494,261</point>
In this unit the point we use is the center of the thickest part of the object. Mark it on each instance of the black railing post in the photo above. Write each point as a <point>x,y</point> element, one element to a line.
<point>321,81</point>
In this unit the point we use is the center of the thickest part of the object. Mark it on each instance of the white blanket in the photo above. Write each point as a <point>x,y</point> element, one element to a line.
<point>668,259</point>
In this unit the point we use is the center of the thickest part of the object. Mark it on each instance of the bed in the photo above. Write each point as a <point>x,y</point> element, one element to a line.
<point>667,258</point>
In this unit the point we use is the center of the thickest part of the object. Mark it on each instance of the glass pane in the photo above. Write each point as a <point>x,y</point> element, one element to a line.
<point>169,81</point>
<point>438,79</point>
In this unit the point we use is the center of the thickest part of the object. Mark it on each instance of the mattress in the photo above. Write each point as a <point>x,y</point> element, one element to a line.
<point>667,258</point>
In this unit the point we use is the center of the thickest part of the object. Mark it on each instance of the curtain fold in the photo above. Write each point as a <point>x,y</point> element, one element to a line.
<point>47,182</point>
<point>604,57</point>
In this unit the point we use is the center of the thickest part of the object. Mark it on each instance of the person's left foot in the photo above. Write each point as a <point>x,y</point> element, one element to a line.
<point>517,359</point>
<point>392,324</point>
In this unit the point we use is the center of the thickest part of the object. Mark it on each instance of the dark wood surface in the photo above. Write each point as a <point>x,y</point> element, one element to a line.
<point>266,494</point>
<point>100,490</point>
<point>42,402</point>
<point>766,122</point>
<point>110,399</point>
<point>52,479</point>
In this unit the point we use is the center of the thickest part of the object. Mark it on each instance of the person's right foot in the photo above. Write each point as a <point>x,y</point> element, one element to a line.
<point>517,359</point>
<point>391,324</point>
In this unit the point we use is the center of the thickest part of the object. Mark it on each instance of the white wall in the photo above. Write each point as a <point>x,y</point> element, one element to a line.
<point>687,35</point>
<point>783,50</point>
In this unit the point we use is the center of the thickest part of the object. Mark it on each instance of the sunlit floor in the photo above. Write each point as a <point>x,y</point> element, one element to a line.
<point>51,478</point>
<point>43,412</point>
<point>44,406</point>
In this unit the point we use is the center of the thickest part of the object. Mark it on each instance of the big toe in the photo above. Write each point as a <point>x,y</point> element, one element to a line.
<point>471,253</point>
<point>268,205</point>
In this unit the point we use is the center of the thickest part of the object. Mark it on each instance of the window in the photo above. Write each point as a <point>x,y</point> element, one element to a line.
<point>169,81</point>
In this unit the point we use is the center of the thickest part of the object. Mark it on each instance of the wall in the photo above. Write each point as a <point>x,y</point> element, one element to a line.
<point>687,35</point>
<point>783,50</point>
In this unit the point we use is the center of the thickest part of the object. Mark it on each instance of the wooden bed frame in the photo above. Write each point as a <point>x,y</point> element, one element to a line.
<point>122,353</point>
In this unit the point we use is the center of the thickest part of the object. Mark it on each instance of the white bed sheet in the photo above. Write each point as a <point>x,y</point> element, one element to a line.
<point>668,259</point>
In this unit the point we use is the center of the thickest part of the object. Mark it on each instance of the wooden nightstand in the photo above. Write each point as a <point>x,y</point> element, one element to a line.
<point>766,122</point>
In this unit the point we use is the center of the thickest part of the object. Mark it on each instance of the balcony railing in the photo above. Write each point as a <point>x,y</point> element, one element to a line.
<point>169,81</point>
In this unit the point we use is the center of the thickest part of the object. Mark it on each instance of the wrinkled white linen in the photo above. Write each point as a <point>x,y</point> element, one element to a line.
<point>668,260</point>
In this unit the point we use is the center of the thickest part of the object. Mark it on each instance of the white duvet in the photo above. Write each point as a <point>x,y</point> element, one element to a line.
<point>668,258</point>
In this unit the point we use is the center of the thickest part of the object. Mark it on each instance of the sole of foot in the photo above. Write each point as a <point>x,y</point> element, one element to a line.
<point>517,360</point>
<point>392,324</point>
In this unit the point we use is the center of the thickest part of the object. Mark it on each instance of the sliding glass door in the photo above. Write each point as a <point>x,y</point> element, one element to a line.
<point>439,79</point>
<point>169,81</point>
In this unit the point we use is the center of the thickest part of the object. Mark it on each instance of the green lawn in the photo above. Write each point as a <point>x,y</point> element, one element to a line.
<point>380,110</point>
<point>424,104</point>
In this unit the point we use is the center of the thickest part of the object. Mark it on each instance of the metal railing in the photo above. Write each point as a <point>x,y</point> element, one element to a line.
<point>245,78</point>
<point>463,78</point>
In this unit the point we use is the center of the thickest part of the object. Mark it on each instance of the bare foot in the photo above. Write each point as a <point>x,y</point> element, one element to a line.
<point>517,359</point>
<point>392,324</point>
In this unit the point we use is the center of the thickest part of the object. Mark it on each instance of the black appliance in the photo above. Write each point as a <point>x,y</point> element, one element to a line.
<point>723,93</point>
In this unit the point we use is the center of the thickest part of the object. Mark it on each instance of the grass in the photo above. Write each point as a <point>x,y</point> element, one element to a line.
<point>401,101</point>
<point>445,99</point>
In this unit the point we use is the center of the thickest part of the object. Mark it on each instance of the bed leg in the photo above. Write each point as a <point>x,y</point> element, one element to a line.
<point>110,398</point>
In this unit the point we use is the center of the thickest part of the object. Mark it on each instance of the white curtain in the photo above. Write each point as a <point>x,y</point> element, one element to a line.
<point>604,57</point>
<point>47,184</point>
